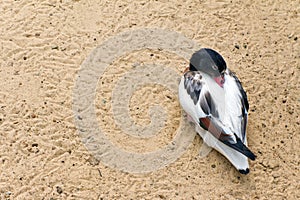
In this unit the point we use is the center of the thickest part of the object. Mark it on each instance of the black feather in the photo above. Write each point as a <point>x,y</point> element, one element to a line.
<point>240,147</point>
<point>193,85</point>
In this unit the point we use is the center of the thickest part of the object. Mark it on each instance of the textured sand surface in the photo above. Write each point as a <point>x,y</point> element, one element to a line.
<point>42,46</point>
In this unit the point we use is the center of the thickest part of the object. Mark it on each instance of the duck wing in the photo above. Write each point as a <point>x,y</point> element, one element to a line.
<point>203,110</point>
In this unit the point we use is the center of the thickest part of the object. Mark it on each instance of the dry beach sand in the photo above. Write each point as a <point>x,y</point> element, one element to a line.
<point>44,43</point>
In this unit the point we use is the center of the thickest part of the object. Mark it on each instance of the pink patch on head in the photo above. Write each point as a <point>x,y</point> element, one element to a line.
<point>220,80</point>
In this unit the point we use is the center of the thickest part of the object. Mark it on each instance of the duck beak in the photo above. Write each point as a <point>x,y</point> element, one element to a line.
<point>186,70</point>
<point>220,80</point>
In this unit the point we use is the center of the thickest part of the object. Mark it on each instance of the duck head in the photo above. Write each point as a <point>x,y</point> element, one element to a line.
<point>210,62</point>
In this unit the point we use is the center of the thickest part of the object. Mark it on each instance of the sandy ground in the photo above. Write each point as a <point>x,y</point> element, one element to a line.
<point>42,46</point>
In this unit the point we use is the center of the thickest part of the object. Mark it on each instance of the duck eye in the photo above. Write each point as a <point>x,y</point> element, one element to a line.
<point>214,67</point>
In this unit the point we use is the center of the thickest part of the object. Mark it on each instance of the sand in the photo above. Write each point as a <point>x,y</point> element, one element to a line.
<point>45,44</point>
